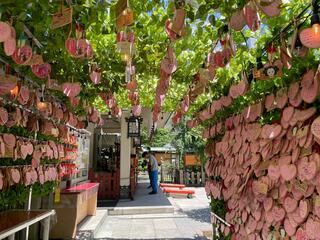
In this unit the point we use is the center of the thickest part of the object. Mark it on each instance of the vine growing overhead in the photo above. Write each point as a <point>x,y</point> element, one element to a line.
<point>204,19</point>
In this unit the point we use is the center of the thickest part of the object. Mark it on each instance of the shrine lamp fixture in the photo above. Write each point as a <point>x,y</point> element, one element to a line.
<point>134,126</point>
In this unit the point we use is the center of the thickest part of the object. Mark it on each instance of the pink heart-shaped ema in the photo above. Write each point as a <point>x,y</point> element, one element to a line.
<point>171,34</point>
<point>169,66</point>
<point>309,38</point>
<point>290,230</point>
<point>74,101</point>
<point>130,37</point>
<point>290,204</point>
<point>5,31</point>
<point>111,102</point>
<point>23,151</point>
<point>41,70</point>
<point>271,9</point>
<point>10,46</point>
<point>288,172</point>
<point>121,36</point>
<point>252,17</point>
<point>29,148</point>
<point>237,21</point>
<point>71,89</point>
<point>222,58</point>
<point>131,86</point>
<point>307,170</point>
<point>176,119</point>
<point>268,204</point>
<point>3,116</point>
<point>312,227</point>
<point>185,104</point>
<point>301,234</point>
<point>190,123</point>
<point>22,55</point>
<point>278,213</point>
<point>160,99</point>
<point>164,83</point>
<point>307,79</point>
<point>84,49</point>
<point>24,95</point>
<point>95,77</point>
<point>71,46</point>
<point>136,110</point>
<point>15,175</point>
<point>315,127</point>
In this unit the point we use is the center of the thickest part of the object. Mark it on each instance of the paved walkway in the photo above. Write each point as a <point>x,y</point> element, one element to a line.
<point>191,218</point>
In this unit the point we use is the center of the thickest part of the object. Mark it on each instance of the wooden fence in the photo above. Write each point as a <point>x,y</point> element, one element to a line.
<point>188,178</point>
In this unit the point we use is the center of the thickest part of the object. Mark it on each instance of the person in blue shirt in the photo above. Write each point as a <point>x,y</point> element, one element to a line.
<point>153,163</point>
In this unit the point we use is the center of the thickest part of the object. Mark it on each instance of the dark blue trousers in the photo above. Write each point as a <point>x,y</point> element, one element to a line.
<point>154,180</point>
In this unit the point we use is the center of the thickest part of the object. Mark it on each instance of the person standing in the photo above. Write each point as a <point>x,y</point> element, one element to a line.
<point>153,171</point>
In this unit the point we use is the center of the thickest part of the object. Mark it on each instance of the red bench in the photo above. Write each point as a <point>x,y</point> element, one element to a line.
<point>170,185</point>
<point>187,192</point>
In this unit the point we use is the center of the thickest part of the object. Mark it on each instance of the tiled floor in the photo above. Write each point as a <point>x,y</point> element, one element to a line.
<point>190,219</point>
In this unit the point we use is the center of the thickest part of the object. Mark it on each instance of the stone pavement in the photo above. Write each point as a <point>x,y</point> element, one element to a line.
<point>189,220</point>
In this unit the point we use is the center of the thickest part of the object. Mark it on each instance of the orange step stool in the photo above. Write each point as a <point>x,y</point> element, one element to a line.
<point>170,185</point>
<point>187,192</point>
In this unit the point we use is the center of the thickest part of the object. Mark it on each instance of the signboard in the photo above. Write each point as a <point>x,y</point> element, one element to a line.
<point>191,160</point>
<point>61,18</point>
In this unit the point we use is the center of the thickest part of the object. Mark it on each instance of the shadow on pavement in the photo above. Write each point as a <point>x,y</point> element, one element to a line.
<point>200,215</point>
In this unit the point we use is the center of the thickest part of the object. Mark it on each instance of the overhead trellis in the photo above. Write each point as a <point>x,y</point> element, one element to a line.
<point>98,18</point>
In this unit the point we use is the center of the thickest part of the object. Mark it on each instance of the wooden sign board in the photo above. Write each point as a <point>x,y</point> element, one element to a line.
<point>191,160</point>
<point>61,18</point>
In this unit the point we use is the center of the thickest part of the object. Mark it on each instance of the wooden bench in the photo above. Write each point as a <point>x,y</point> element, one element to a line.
<point>187,192</point>
<point>170,185</point>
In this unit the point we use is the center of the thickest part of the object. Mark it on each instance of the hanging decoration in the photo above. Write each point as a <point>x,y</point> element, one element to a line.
<point>310,37</point>
<point>126,47</point>
<point>79,47</point>
<point>175,29</point>
<point>95,73</point>
<point>62,18</point>
<point>214,60</point>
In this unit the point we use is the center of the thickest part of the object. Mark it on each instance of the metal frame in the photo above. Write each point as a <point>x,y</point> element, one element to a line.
<point>45,217</point>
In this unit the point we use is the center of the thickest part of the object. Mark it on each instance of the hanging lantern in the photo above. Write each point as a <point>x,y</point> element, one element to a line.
<point>134,126</point>
<point>41,104</point>
<point>310,37</point>
<point>124,15</point>
<point>14,92</point>
<point>125,57</point>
